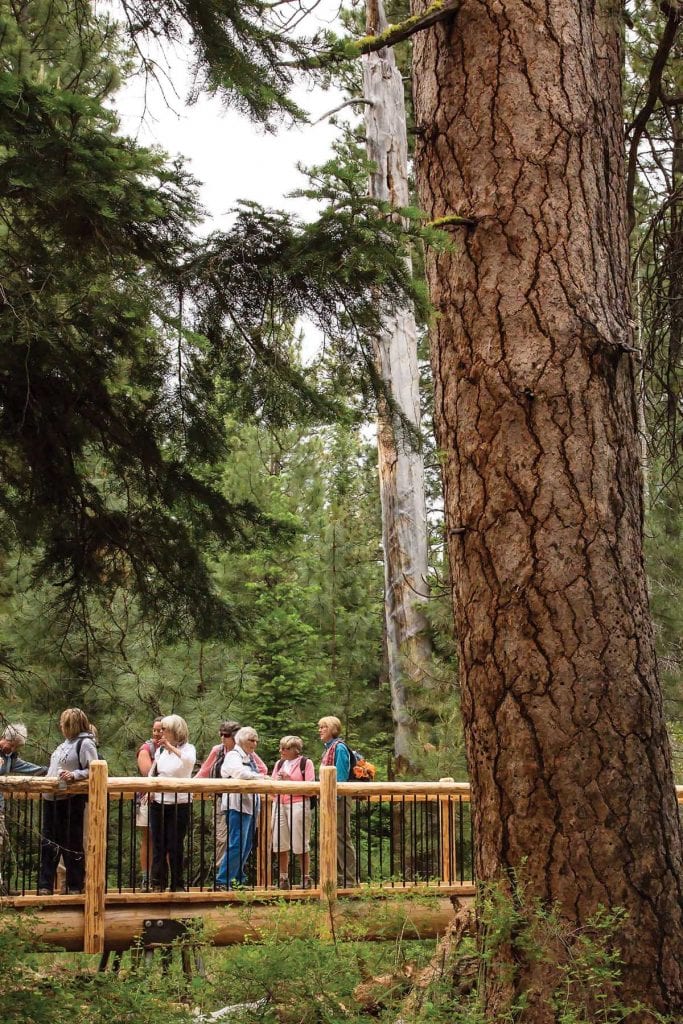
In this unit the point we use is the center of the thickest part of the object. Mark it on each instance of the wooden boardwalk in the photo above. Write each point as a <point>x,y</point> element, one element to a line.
<point>411,840</point>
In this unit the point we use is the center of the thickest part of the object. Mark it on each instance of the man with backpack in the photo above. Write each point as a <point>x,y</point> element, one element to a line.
<point>336,753</point>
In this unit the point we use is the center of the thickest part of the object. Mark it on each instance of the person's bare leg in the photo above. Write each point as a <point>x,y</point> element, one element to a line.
<point>145,853</point>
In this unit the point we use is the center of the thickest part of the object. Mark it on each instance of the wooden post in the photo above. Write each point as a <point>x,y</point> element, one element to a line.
<point>95,859</point>
<point>448,854</point>
<point>328,833</point>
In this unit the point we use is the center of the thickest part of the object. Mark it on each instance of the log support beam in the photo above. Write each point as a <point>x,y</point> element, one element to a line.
<point>374,920</point>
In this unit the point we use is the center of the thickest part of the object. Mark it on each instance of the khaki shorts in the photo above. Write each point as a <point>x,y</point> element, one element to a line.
<point>294,832</point>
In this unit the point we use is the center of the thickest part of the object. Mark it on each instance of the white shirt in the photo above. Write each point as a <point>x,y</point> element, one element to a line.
<point>172,766</point>
<point>287,767</point>
<point>236,766</point>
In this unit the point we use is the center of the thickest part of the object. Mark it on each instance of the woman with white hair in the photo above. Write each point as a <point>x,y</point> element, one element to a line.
<point>169,813</point>
<point>13,738</point>
<point>241,809</point>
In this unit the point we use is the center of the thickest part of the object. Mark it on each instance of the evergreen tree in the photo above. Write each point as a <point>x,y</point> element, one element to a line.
<point>118,326</point>
<point>536,416</point>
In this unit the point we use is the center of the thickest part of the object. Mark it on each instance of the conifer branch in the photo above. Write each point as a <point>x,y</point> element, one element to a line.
<point>342,106</point>
<point>674,13</point>
<point>440,10</point>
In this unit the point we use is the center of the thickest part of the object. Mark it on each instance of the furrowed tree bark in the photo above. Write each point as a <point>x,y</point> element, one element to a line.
<point>519,119</point>
<point>401,468</point>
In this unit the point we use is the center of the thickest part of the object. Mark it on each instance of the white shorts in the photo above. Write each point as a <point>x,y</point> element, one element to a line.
<point>294,831</point>
<point>142,814</point>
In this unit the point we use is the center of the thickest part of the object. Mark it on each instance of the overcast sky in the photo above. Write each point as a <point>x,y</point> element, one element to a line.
<point>232,158</point>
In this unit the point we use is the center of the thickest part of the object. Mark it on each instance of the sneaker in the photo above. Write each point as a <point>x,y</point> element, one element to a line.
<point>74,892</point>
<point>284,882</point>
<point>307,883</point>
<point>219,887</point>
<point>45,892</point>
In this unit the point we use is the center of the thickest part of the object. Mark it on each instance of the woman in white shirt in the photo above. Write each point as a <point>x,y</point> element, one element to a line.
<point>169,813</point>
<point>241,809</point>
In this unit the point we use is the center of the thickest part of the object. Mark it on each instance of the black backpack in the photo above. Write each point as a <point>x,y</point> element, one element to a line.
<point>79,744</point>
<point>217,765</point>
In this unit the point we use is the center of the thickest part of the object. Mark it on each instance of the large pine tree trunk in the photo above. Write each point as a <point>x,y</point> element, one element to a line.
<point>401,469</point>
<point>519,120</point>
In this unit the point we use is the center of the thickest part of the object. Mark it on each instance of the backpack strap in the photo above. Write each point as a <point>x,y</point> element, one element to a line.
<point>278,766</point>
<point>218,764</point>
<point>79,744</point>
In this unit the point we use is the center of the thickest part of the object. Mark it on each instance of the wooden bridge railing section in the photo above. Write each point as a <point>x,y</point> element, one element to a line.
<point>403,835</point>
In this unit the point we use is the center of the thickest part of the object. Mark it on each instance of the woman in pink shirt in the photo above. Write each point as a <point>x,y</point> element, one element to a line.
<point>291,822</point>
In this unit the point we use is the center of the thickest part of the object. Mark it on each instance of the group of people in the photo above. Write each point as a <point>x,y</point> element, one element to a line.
<point>169,754</point>
<point>163,815</point>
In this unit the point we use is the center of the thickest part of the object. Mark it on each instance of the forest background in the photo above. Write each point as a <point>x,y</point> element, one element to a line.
<point>191,517</point>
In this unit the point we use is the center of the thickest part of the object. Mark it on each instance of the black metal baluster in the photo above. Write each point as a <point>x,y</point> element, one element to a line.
<point>31,816</point>
<point>315,834</point>
<point>202,839</point>
<point>190,841</point>
<point>132,874</point>
<point>217,809</point>
<point>241,827</point>
<point>25,840</point>
<point>278,829</point>
<point>119,845</point>
<point>381,840</point>
<point>357,824</point>
<point>402,839</point>
<point>473,872</point>
<point>414,838</point>
<point>369,840</point>
<point>391,840</point>
<point>291,842</point>
<point>107,852</point>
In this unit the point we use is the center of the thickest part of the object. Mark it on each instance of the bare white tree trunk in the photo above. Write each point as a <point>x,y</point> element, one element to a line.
<point>401,469</point>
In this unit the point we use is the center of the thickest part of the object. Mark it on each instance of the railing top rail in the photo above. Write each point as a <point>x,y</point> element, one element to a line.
<point>139,784</point>
<point>31,785</point>
<point>36,786</point>
<point>266,785</point>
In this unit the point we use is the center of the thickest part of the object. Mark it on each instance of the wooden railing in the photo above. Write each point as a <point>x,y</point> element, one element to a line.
<point>403,836</point>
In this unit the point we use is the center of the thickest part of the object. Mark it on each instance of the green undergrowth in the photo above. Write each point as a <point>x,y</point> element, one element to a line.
<point>306,967</point>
